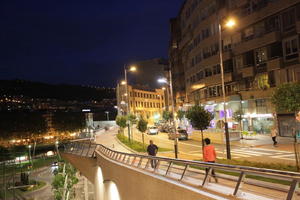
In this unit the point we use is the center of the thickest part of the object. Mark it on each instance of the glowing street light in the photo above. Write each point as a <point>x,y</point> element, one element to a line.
<point>169,83</point>
<point>123,82</point>
<point>131,68</point>
<point>230,23</point>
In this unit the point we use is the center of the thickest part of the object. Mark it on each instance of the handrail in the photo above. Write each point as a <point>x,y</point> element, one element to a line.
<point>294,177</point>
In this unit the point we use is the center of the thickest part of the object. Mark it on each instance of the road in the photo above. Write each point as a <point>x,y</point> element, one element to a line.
<point>191,149</point>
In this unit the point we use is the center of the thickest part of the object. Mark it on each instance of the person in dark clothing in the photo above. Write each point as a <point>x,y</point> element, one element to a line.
<point>152,151</point>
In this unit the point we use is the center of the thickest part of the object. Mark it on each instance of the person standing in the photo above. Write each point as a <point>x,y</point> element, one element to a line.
<point>209,155</point>
<point>152,151</point>
<point>274,135</point>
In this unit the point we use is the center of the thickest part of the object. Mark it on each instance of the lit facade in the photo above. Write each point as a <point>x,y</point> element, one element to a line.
<point>259,54</point>
<point>143,103</point>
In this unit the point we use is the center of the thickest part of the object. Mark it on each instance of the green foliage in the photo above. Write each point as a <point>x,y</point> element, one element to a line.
<point>238,115</point>
<point>167,115</point>
<point>132,118</point>
<point>68,122</point>
<point>199,117</point>
<point>180,114</point>
<point>286,98</point>
<point>121,121</point>
<point>136,146</point>
<point>142,125</point>
<point>59,180</point>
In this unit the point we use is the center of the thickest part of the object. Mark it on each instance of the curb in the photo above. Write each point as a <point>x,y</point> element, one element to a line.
<point>126,147</point>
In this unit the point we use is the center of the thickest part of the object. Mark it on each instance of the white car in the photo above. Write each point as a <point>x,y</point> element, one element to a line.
<point>152,130</point>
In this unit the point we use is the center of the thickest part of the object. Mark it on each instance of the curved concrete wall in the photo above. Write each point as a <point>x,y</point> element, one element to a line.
<point>135,184</point>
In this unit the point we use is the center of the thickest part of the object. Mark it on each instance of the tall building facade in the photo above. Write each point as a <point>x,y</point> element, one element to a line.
<point>148,104</point>
<point>259,53</point>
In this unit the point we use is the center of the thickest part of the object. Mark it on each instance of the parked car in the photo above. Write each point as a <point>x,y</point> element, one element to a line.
<point>152,130</point>
<point>164,128</point>
<point>181,134</point>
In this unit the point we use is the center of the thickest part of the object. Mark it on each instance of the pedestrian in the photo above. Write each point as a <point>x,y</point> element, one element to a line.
<point>274,135</point>
<point>209,155</point>
<point>152,151</point>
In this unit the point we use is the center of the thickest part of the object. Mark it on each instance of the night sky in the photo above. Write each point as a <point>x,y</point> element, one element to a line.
<point>81,42</point>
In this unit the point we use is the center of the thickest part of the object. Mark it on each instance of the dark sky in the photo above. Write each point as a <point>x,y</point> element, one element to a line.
<point>81,42</point>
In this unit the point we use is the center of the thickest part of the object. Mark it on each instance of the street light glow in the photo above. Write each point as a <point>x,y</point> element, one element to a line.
<point>162,80</point>
<point>132,69</point>
<point>230,23</point>
<point>123,82</point>
<point>163,88</point>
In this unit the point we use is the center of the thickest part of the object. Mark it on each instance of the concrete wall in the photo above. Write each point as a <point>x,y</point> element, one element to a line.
<point>135,184</point>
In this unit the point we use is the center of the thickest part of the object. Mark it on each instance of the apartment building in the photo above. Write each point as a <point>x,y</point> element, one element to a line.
<point>259,53</point>
<point>143,103</point>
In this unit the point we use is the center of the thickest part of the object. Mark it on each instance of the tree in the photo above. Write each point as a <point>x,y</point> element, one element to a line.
<point>180,114</point>
<point>167,115</point>
<point>286,98</point>
<point>142,127</point>
<point>200,119</point>
<point>132,119</point>
<point>121,121</point>
<point>238,116</point>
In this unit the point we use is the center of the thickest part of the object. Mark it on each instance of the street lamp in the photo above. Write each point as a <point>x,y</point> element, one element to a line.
<point>107,115</point>
<point>29,152</point>
<point>129,69</point>
<point>169,83</point>
<point>230,23</point>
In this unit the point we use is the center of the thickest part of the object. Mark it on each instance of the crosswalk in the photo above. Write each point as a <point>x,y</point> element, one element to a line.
<point>253,152</point>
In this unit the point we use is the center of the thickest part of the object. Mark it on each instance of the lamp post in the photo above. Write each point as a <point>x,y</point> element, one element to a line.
<point>130,69</point>
<point>163,80</point>
<point>230,23</point>
<point>107,115</point>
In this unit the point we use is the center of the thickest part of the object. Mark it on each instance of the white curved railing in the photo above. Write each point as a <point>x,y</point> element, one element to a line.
<point>193,172</point>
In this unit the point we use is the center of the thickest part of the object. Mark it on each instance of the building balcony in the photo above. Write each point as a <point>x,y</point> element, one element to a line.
<point>247,72</point>
<point>257,42</point>
<point>274,64</point>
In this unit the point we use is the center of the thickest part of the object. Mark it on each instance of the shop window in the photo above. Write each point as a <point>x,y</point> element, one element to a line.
<point>239,62</point>
<point>260,55</point>
<point>290,48</point>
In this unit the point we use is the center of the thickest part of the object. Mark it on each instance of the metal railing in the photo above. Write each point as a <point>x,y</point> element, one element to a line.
<point>195,173</point>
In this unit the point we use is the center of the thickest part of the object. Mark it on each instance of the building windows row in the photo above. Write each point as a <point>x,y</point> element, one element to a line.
<point>145,95</point>
<point>207,72</point>
<point>289,48</point>
<point>213,91</point>
<point>140,104</point>
<point>205,53</point>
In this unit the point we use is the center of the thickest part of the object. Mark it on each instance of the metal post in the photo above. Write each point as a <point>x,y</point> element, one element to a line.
<point>223,92</point>
<point>173,113</point>
<point>127,98</point>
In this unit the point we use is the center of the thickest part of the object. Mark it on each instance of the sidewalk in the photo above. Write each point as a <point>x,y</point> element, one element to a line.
<point>265,141</point>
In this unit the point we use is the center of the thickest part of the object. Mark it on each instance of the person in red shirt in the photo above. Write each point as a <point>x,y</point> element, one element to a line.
<point>209,155</point>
